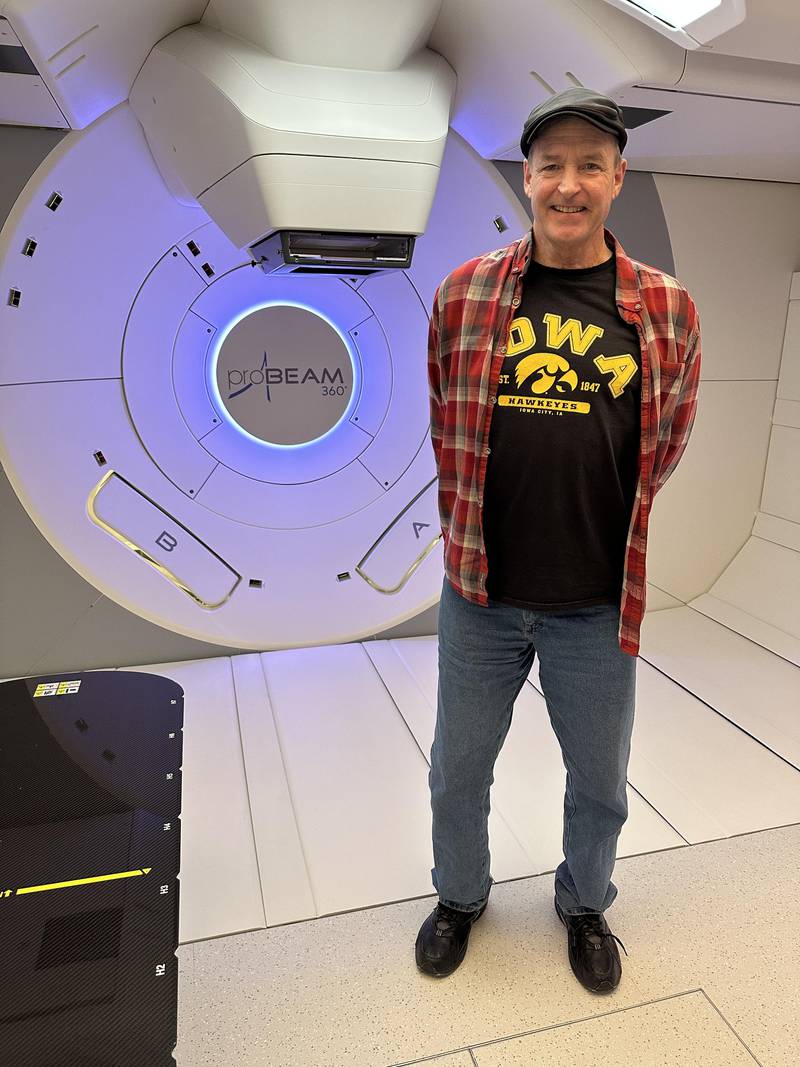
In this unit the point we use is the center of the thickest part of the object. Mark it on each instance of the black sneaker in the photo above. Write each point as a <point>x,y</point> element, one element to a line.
<point>593,956</point>
<point>442,939</point>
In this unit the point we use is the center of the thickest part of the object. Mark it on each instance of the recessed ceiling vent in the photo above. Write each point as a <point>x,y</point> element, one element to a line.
<point>345,254</point>
<point>13,57</point>
<point>640,116</point>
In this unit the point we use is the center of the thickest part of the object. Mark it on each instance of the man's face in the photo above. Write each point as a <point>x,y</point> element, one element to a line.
<point>572,165</point>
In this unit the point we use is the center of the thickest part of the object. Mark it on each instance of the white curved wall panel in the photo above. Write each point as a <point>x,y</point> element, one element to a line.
<point>735,243</point>
<point>705,512</point>
<point>782,481</point>
<point>87,53</point>
<point>735,253</point>
<point>763,581</point>
<point>779,531</point>
<point>789,380</point>
<point>759,591</point>
<point>124,452</point>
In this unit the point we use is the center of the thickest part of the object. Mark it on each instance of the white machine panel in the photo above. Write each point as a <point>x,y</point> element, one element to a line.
<point>402,317</point>
<point>146,364</point>
<point>161,541</point>
<point>294,146</point>
<point>377,378</point>
<point>393,559</point>
<point>25,95</point>
<point>106,366</point>
<point>281,507</point>
<point>191,349</point>
<point>111,220</point>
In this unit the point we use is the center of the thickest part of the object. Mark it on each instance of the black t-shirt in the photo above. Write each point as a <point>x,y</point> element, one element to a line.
<point>564,444</point>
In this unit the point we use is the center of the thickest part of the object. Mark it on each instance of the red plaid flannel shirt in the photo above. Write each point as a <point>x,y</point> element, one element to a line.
<point>467,340</point>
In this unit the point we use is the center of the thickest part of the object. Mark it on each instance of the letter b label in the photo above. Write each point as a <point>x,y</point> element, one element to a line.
<point>166,541</point>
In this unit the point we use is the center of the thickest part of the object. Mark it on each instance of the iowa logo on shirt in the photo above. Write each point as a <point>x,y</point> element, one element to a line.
<point>551,366</point>
<point>555,369</point>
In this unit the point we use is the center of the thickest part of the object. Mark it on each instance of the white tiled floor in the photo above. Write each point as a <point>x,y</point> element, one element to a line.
<point>710,977</point>
<point>306,840</point>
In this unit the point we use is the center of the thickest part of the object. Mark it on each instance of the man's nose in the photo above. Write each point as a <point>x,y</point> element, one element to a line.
<point>569,179</point>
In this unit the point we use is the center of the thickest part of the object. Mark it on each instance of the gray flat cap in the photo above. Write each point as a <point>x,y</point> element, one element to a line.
<point>600,110</point>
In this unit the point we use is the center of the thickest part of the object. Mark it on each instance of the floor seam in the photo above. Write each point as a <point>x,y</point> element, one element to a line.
<point>738,1037</point>
<point>247,789</point>
<point>569,1022</point>
<point>290,791</point>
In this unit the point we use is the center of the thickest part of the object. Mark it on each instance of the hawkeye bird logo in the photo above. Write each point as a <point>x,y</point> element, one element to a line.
<point>549,367</point>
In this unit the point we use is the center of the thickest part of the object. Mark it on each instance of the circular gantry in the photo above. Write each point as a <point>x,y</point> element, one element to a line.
<point>239,456</point>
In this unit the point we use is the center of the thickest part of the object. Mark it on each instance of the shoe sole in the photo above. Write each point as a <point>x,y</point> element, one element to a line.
<point>461,955</point>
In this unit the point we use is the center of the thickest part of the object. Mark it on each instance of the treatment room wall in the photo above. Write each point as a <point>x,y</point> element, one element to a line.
<point>727,240</point>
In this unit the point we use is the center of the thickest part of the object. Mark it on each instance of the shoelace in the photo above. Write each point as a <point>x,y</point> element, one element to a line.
<point>591,926</point>
<point>446,922</point>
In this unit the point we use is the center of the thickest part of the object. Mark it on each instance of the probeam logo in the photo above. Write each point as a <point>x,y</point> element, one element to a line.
<point>56,689</point>
<point>284,375</point>
<point>239,381</point>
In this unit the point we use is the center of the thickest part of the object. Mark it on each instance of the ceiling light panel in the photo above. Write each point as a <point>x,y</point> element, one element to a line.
<point>690,23</point>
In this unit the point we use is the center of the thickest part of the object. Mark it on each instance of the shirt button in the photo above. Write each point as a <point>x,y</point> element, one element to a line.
<point>638,307</point>
<point>515,302</point>
<point>492,399</point>
<point>486,451</point>
<point>502,349</point>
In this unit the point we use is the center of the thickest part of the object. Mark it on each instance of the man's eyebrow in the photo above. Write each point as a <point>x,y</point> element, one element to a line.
<point>596,153</point>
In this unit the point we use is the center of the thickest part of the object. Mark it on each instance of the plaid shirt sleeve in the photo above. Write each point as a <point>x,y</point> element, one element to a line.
<point>437,388</point>
<point>674,435</point>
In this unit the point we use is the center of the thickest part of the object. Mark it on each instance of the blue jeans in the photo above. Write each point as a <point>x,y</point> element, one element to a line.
<point>589,685</point>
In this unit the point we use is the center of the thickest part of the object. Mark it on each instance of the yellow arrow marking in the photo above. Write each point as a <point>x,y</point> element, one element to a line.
<point>84,881</point>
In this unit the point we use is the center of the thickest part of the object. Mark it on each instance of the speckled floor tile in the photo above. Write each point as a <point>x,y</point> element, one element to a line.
<point>187,1020</point>
<point>343,990</point>
<point>725,918</point>
<point>453,1059</point>
<point>667,1033</point>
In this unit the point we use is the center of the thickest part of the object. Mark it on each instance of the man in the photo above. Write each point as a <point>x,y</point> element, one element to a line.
<point>563,383</point>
